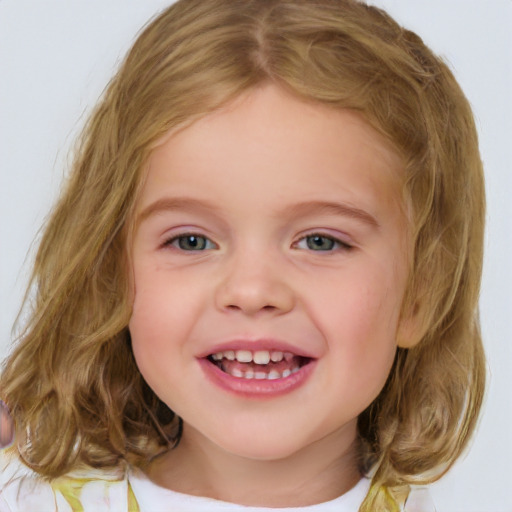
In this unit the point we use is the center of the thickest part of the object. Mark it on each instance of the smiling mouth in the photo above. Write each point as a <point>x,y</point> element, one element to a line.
<point>258,365</point>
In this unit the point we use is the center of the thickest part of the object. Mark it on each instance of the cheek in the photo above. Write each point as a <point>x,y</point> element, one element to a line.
<point>156,339</point>
<point>167,306</point>
<point>362,328</point>
<point>160,298</point>
<point>366,304</point>
<point>158,320</point>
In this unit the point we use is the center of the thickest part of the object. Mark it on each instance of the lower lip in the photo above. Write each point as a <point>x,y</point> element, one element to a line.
<point>256,388</point>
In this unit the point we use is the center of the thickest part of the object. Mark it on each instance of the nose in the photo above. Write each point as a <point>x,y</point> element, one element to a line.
<point>254,284</point>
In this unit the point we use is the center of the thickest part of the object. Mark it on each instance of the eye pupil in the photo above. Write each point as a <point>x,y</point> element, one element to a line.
<point>320,242</point>
<point>192,242</point>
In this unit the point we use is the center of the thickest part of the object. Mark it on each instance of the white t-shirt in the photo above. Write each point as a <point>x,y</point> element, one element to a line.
<point>21,490</point>
<point>156,499</point>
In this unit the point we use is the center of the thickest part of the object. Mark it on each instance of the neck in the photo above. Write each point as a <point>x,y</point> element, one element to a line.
<point>319,472</point>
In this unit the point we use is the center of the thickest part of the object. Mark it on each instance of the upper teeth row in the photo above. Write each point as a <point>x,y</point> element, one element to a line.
<point>258,357</point>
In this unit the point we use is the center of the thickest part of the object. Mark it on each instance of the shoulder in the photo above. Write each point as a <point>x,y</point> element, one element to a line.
<point>22,490</point>
<point>419,500</point>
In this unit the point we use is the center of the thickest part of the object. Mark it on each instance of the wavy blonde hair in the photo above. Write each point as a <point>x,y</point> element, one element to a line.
<point>73,374</point>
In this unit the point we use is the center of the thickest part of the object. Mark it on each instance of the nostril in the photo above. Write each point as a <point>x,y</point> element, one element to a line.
<point>234,307</point>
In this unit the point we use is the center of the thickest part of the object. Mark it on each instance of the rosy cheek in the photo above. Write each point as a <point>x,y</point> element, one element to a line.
<point>368,318</point>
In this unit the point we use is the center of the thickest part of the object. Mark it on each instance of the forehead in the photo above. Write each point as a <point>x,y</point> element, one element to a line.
<point>269,139</point>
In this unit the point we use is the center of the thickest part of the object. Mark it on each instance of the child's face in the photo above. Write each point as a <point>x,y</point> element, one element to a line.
<point>299,246</point>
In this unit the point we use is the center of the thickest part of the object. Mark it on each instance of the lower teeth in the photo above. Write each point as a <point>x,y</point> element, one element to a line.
<point>254,371</point>
<point>250,374</point>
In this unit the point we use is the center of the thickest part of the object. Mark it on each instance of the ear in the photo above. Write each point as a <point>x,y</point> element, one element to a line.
<point>410,328</point>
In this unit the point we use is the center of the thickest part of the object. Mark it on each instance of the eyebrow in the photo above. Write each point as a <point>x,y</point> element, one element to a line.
<point>332,208</point>
<point>297,210</point>
<point>176,203</point>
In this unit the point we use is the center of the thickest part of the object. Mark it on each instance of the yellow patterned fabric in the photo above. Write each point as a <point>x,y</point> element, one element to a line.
<point>72,490</point>
<point>133,506</point>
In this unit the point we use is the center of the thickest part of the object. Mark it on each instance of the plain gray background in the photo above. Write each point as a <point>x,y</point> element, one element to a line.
<point>56,56</point>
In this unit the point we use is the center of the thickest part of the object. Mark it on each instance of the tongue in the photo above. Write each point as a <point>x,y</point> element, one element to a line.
<point>280,366</point>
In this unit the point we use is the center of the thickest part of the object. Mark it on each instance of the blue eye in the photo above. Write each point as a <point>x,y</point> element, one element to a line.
<point>191,242</point>
<point>322,243</point>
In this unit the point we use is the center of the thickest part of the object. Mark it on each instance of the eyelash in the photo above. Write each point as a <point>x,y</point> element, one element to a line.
<point>341,245</point>
<point>171,241</point>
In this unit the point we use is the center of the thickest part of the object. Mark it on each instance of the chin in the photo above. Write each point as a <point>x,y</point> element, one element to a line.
<point>269,443</point>
<point>264,451</point>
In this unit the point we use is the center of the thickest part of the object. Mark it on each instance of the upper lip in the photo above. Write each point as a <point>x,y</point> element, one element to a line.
<point>254,345</point>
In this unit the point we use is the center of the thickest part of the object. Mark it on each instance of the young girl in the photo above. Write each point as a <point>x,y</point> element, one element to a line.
<point>260,284</point>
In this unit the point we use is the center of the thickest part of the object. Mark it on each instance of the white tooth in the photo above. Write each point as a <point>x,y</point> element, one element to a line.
<point>288,356</point>
<point>261,357</point>
<point>295,370</point>
<point>260,375</point>
<point>229,355</point>
<point>286,373</point>
<point>273,374</point>
<point>249,374</point>
<point>217,356</point>
<point>244,356</point>
<point>276,356</point>
<point>237,373</point>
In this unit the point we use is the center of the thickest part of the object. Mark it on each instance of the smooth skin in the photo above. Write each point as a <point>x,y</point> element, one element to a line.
<point>269,260</point>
